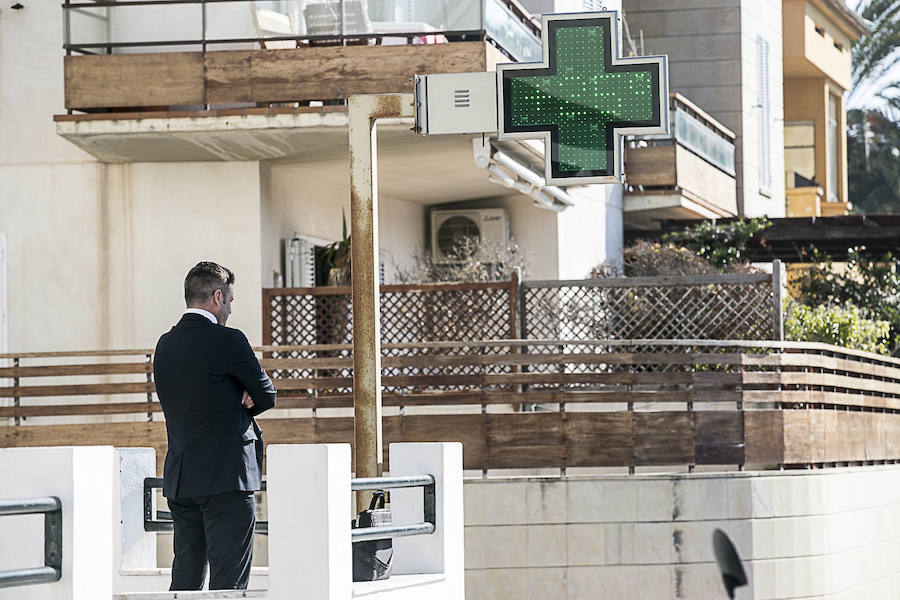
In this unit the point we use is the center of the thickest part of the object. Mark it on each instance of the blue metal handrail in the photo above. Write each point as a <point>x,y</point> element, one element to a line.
<point>51,508</point>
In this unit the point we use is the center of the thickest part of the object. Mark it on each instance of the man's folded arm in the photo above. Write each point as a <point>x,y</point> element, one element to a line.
<point>246,370</point>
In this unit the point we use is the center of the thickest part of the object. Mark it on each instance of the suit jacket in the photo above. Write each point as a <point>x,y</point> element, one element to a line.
<point>201,371</point>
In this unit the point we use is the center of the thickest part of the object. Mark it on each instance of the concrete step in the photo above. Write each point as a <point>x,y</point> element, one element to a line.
<point>198,595</point>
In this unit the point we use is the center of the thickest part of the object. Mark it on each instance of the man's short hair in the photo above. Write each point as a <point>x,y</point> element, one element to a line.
<point>203,280</point>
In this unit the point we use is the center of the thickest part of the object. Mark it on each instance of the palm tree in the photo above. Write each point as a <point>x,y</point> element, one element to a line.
<point>876,56</point>
<point>873,137</point>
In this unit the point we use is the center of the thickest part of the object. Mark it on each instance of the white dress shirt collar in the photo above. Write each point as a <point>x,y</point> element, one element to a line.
<point>205,313</point>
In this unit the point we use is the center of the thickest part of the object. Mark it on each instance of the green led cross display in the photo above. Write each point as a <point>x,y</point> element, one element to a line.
<point>584,97</point>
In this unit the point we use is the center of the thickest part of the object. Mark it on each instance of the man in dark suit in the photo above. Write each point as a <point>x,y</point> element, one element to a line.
<point>210,386</point>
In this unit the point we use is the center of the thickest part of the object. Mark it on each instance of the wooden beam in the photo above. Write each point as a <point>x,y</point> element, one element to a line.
<point>260,76</point>
<point>125,80</point>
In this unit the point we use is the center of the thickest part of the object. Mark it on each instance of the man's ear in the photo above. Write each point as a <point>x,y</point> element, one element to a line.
<point>218,297</point>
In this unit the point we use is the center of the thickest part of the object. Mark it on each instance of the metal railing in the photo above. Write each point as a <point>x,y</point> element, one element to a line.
<point>387,483</point>
<point>51,508</point>
<point>161,520</point>
<point>106,26</point>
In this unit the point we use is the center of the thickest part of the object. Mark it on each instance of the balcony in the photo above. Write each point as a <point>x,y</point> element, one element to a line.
<point>201,80</point>
<point>688,174</point>
<point>817,39</point>
<point>197,54</point>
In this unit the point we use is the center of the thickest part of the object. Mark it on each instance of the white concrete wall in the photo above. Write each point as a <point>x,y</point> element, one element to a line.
<point>810,534</point>
<point>48,190</point>
<point>762,18</point>
<point>590,233</point>
<point>173,215</point>
<point>96,255</point>
<point>308,198</point>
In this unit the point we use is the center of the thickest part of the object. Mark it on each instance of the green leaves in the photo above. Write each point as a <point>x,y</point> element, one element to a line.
<point>867,283</point>
<point>873,161</point>
<point>337,255</point>
<point>838,325</point>
<point>874,55</point>
<point>723,245</point>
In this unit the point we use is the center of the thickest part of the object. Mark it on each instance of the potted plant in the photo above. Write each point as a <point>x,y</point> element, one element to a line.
<point>336,258</point>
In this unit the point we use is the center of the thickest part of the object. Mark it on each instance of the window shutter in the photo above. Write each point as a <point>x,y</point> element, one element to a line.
<point>299,262</point>
<point>307,263</point>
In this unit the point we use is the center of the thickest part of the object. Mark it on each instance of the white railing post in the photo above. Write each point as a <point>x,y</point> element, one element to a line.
<point>442,551</point>
<point>82,478</point>
<point>134,550</point>
<point>309,521</point>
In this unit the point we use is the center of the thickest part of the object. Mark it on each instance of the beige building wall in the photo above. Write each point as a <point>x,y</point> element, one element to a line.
<point>170,217</point>
<point>817,68</point>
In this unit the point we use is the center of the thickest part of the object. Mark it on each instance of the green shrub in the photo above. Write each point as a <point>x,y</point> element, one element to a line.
<point>838,325</point>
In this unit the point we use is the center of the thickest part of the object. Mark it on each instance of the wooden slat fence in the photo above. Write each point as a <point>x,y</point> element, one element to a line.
<point>628,403</point>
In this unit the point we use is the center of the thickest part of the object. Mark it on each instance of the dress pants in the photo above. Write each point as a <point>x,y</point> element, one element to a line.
<point>216,529</point>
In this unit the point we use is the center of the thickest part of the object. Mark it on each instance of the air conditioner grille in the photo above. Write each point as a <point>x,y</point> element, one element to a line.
<point>454,236</point>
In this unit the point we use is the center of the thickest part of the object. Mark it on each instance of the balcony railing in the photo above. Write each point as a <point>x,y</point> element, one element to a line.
<point>688,173</point>
<point>699,133</point>
<point>105,27</point>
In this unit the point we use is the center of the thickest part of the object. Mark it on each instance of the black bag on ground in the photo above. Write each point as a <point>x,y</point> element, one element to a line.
<point>372,559</point>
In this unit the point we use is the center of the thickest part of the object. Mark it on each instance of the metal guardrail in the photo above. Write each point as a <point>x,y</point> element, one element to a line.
<point>51,508</point>
<point>391,531</point>
<point>506,23</point>
<point>161,520</point>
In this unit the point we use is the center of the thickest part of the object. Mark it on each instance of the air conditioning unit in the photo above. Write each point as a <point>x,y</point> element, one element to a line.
<point>455,233</point>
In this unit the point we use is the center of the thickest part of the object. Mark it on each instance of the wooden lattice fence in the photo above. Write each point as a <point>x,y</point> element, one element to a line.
<point>721,307</point>
<point>734,307</point>
<point>322,317</point>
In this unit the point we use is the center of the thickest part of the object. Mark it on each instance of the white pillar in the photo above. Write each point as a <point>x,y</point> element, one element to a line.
<point>309,521</point>
<point>134,550</point>
<point>82,478</point>
<point>442,551</point>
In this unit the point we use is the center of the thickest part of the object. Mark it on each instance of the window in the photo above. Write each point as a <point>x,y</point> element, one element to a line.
<point>833,148</point>
<point>839,46</point>
<point>764,112</point>
<point>799,152</point>
<point>820,30</point>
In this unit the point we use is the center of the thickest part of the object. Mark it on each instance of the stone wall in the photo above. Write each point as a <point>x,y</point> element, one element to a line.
<point>831,533</point>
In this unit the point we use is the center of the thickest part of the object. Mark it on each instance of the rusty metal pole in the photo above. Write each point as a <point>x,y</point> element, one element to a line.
<point>363,112</point>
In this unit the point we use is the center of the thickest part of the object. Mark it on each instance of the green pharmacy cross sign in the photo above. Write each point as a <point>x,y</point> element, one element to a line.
<point>582,98</point>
